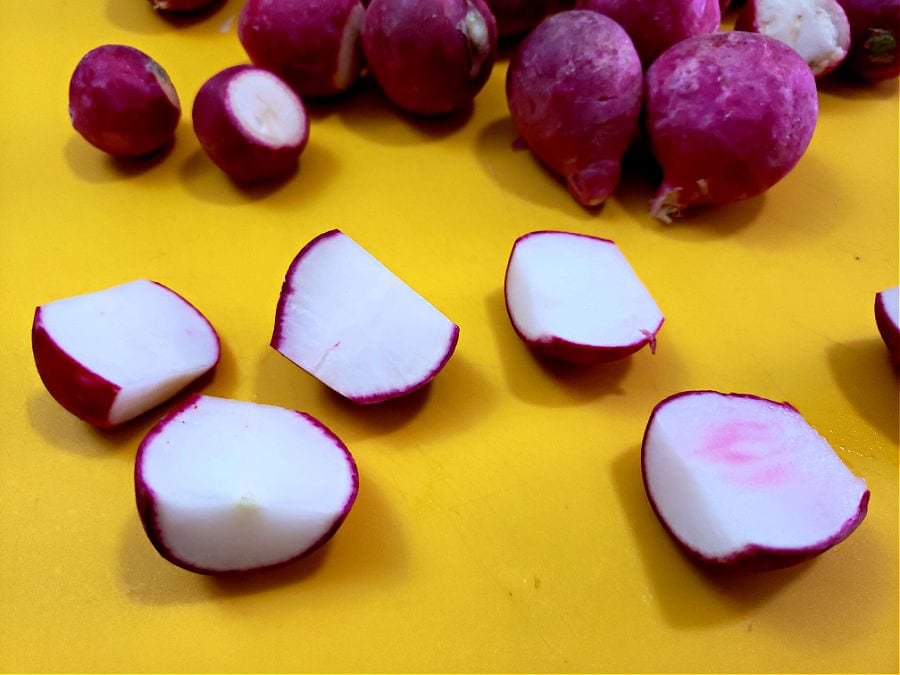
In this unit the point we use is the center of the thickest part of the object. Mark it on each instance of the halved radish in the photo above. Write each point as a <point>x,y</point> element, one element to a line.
<point>232,486</point>
<point>887,318</point>
<point>576,298</point>
<point>743,481</point>
<point>349,321</point>
<point>251,123</point>
<point>111,355</point>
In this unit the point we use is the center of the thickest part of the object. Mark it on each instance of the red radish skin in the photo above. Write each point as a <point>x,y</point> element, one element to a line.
<point>517,17</point>
<point>575,298</point>
<point>123,102</point>
<point>251,124</point>
<point>346,319</point>
<point>727,116</point>
<point>110,356</point>
<point>574,88</point>
<point>874,32</point>
<point>228,487</point>
<point>887,320</point>
<point>744,483</point>
<point>817,29</point>
<point>430,57</point>
<point>656,25</point>
<point>313,45</point>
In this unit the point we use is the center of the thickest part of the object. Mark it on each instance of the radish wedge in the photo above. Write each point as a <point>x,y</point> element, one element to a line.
<point>227,486</point>
<point>346,319</point>
<point>576,298</point>
<point>112,355</point>
<point>745,482</point>
<point>887,319</point>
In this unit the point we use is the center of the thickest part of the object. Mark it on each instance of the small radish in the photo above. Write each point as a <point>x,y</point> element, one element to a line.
<point>817,29</point>
<point>313,45</point>
<point>887,319</point>
<point>430,57</point>
<point>576,298</point>
<point>226,486</point>
<point>727,116</point>
<point>874,34</point>
<point>574,88</point>
<point>744,482</point>
<point>114,354</point>
<point>122,101</point>
<point>517,17</point>
<point>251,123</point>
<point>656,25</point>
<point>346,319</point>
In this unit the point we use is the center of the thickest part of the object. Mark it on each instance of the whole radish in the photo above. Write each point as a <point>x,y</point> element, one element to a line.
<point>727,116</point>
<point>817,29</point>
<point>313,45</point>
<point>656,25</point>
<point>430,57</point>
<point>573,87</point>
<point>122,101</point>
<point>874,31</point>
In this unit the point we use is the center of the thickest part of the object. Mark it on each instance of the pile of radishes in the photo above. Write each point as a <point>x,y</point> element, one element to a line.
<point>230,486</point>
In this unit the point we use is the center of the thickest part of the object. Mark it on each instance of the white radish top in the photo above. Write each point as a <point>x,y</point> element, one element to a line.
<point>266,108</point>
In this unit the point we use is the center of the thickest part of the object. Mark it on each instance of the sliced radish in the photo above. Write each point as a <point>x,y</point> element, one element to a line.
<point>231,486</point>
<point>576,298</point>
<point>346,319</point>
<point>887,318</point>
<point>817,29</point>
<point>250,123</point>
<point>111,355</point>
<point>743,481</point>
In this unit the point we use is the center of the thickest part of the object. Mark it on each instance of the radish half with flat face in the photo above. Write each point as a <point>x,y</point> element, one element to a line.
<point>226,486</point>
<point>887,319</point>
<point>114,354</point>
<point>250,123</point>
<point>576,298</point>
<point>746,482</point>
<point>349,321</point>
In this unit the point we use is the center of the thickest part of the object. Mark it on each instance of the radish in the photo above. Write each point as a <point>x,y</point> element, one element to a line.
<point>817,29</point>
<point>122,101</point>
<point>574,88</point>
<point>430,57</point>
<point>517,17</point>
<point>656,25</point>
<point>112,355</point>
<point>226,486</point>
<point>727,116</point>
<point>744,482</point>
<point>313,45</point>
<point>874,32</point>
<point>181,5</point>
<point>250,123</point>
<point>346,319</point>
<point>576,298</point>
<point>887,319</point>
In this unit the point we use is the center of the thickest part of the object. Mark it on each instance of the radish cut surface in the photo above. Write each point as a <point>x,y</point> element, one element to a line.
<point>745,481</point>
<point>349,321</point>
<point>887,319</point>
<point>231,486</point>
<point>576,298</point>
<point>114,354</point>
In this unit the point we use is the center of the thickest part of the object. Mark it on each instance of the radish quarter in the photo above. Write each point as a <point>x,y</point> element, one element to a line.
<point>123,102</point>
<point>349,321</point>
<point>744,482</point>
<point>112,355</point>
<point>817,29</point>
<point>727,116</point>
<point>576,298</point>
<point>887,319</point>
<point>226,486</point>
